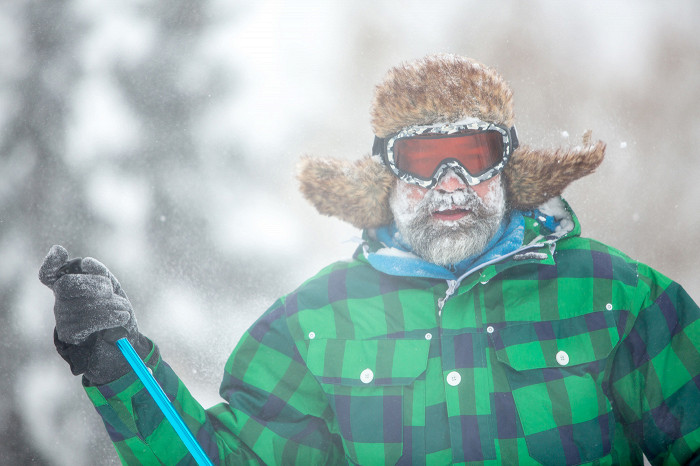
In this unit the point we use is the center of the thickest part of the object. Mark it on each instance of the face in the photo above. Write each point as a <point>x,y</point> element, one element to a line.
<point>451,221</point>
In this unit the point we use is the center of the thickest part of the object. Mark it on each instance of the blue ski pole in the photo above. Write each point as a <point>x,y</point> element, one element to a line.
<point>163,402</point>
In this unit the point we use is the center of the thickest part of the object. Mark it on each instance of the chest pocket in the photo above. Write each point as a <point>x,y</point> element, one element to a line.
<point>555,370</point>
<point>372,385</point>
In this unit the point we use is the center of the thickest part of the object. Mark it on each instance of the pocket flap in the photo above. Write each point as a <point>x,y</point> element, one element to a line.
<point>557,343</point>
<point>368,362</point>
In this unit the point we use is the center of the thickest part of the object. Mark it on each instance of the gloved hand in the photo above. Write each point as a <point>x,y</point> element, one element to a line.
<point>92,312</point>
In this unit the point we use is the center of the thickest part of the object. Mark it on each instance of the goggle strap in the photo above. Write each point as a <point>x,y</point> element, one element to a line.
<point>379,147</point>
<point>514,138</point>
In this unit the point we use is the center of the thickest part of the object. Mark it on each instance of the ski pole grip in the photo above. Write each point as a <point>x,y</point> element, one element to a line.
<point>163,402</point>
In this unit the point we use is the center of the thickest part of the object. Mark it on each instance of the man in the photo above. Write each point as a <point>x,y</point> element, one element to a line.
<point>473,324</point>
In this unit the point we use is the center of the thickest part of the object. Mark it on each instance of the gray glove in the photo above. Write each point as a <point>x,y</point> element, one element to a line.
<point>91,312</point>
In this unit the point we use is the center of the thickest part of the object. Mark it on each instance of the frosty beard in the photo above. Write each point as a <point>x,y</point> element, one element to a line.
<point>447,242</point>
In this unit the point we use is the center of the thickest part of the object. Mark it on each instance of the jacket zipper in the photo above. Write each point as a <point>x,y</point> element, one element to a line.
<point>451,287</point>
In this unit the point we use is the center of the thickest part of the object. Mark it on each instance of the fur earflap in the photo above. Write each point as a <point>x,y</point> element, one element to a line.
<point>437,89</point>
<point>354,191</point>
<point>533,176</point>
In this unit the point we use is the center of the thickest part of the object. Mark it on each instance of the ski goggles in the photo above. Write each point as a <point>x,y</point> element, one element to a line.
<point>476,150</point>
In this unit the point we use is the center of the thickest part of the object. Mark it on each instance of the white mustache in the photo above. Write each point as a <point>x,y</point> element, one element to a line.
<point>462,199</point>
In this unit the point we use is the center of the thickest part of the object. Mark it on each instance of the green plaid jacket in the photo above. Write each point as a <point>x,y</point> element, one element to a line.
<point>571,353</point>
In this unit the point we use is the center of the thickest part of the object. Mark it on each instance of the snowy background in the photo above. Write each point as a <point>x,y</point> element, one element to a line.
<point>161,138</point>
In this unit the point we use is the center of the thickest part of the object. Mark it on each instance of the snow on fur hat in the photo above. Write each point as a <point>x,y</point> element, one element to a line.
<point>439,89</point>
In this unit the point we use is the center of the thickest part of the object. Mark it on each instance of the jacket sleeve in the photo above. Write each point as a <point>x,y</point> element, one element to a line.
<point>274,411</point>
<point>655,383</point>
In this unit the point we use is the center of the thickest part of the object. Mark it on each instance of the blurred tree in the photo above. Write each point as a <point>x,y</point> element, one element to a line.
<point>47,198</point>
<point>39,191</point>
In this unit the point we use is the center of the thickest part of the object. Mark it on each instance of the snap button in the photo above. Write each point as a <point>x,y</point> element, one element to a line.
<point>609,307</point>
<point>453,378</point>
<point>490,329</point>
<point>428,336</point>
<point>367,376</point>
<point>562,358</point>
<point>312,335</point>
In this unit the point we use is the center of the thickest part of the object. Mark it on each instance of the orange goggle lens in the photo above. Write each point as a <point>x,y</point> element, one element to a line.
<point>477,152</point>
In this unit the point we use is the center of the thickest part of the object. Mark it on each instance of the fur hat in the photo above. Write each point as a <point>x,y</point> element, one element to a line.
<point>439,89</point>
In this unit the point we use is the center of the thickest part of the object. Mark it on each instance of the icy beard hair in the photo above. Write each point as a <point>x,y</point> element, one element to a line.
<point>447,242</point>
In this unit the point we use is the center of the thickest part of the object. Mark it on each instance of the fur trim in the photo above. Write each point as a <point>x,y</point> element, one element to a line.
<point>437,89</point>
<point>354,191</point>
<point>533,176</point>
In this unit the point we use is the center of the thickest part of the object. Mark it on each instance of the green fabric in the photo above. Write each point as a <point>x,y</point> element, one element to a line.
<point>575,355</point>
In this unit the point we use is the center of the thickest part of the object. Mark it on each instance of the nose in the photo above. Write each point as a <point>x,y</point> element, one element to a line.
<point>450,182</point>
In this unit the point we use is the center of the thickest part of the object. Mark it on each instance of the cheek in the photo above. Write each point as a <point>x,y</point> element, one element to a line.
<point>487,187</point>
<point>415,193</point>
<point>406,197</point>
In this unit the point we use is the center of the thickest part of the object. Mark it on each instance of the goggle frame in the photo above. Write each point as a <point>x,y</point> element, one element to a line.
<point>383,147</point>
